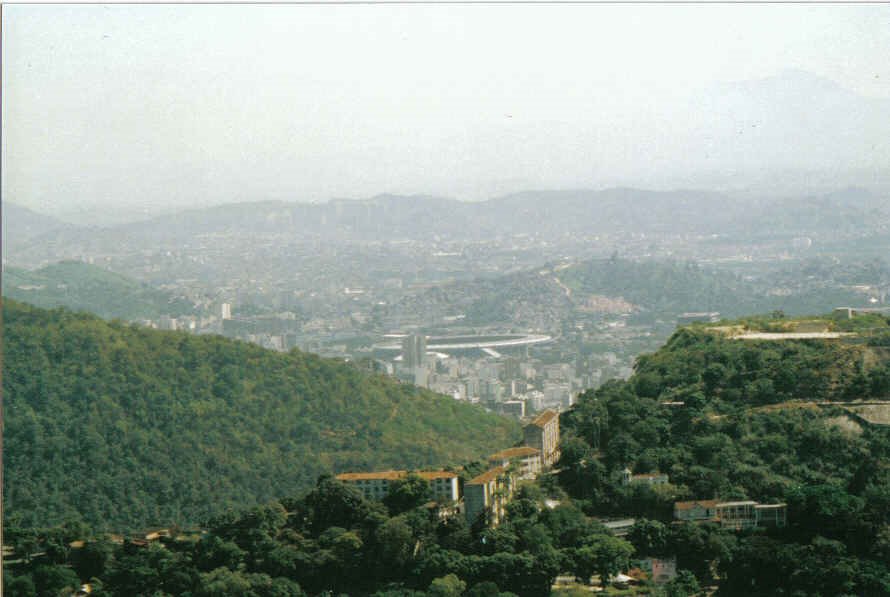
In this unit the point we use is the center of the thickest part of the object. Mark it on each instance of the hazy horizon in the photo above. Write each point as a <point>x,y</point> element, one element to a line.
<point>161,108</point>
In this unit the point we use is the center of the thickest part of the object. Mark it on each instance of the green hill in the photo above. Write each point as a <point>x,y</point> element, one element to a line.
<point>775,420</point>
<point>127,426</point>
<point>81,286</point>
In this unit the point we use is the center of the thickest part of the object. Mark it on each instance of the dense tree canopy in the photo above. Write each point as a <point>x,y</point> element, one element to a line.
<point>731,419</point>
<point>124,426</point>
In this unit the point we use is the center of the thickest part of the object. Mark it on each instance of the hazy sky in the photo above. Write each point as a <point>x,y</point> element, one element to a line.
<point>194,105</point>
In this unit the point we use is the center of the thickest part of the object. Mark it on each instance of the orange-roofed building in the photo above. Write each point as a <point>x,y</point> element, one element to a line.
<point>526,459</point>
<point>487,495</point>
<point>543,434</point>
<point>444,486</point>
<point>695,510</point>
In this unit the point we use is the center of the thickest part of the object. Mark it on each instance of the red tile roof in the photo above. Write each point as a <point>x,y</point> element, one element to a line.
<point>545,417</point>
<point>393,475</point>
<point>488,476</point>
<point>694,503</point>
<point>519,452</point>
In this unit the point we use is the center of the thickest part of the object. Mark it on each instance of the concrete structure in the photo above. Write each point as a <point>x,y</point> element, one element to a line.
<point>851,312</point>
<point>513,408</point>
<point>737,515</point>
<point>225,311</point>
<point>705,317</point>
<point>771,515</point>
<point>621,527</point>
<point>543,433</point>
<point>663,569</point>
<point>744,514</point>
<point>695,510</point>
<point>486,496</point>
<point>444,486</point>
<point>648,478</point>
<point>527,461</point>
<point>413,351</point>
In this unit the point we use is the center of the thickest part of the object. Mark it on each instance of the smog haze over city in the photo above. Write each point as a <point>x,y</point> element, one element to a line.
<point>292,252</point>
<point>151,108</point>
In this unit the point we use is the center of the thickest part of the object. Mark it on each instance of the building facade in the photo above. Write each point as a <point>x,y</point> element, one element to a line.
<point>737,515</point>
<point>647,478</point>
<point>526,460</point>
<point>444,486</point>
<point>413,351</point>
<point>543,434</point>
<point>486,496</point>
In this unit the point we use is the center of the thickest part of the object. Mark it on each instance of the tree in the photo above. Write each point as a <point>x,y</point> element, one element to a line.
<point>602,555</point>
<point>51,580</point>
<point>649,537</point>
<point>395,542</point>
<point>447,586</point>
<point>406,494</point>
<point>93,558</point>
<point>683,585</point>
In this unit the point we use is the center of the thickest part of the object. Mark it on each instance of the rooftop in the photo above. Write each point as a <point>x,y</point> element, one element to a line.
<point>488,476</point>
<point>545,417</point>
<point>649,476</point>
<point>393,475</point>
<point>514,453</point>
<point>695,503</point>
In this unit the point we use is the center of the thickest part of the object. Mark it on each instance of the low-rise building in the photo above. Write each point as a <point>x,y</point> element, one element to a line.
<point>771,515</point>
<point>737,515</point>
<point>527,461</point>
<point>486,496</point>
<point>743,514</point>
<point>646,478</point>
<point>696,510</point>
<point>444,487</point>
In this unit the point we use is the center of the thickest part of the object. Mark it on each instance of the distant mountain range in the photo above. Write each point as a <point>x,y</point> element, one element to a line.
<point>20,225</point>
<point>555,215</point>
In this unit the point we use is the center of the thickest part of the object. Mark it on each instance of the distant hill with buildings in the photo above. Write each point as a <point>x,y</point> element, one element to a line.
<point>125,426</point>
<point>642,289</point>
<point>84,287</point>
<point>552,215</point>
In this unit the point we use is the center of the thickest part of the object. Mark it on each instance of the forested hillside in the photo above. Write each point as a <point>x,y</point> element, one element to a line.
<point>81,286</point>
<point>724,418</point>
<point>731,419</point>
<point>126,426</point>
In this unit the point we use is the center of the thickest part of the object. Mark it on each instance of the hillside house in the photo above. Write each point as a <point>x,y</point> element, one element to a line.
<point>646,478</point>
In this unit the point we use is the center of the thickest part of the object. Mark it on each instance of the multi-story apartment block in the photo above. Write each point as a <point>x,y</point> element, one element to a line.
<point>487,495</point>
<point>543,434</point>
<point>444,486</point>
<point>526,460</point>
